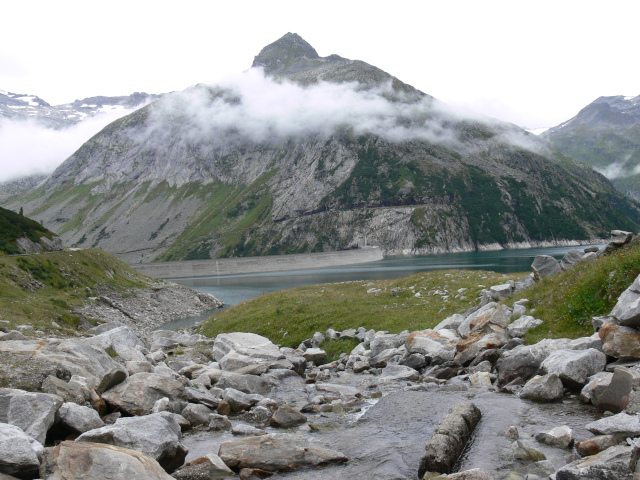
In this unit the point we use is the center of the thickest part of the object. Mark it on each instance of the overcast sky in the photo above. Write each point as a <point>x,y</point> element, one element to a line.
<point>534,63</point>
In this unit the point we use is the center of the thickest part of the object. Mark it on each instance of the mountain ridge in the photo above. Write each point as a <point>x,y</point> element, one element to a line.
<point>318,156</point>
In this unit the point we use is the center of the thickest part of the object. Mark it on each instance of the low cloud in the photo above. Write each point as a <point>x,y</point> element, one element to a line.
<point>262,110</point>
<point>27,147</point>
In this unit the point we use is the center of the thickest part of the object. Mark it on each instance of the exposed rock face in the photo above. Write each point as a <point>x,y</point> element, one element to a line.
<point>277,452</point>
<point>449,439</point>
<point>53,244</point>
<point>83,460</point>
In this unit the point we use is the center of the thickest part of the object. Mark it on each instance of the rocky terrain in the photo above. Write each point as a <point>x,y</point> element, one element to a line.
<point>464,400</point>
<point>19,234</point>
<point>304,153</point>
<point>606,136</point>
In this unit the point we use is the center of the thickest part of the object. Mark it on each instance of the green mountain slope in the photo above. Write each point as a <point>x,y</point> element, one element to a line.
<point>14,226</point>
<point>306,153</point>
<point>606,136</point>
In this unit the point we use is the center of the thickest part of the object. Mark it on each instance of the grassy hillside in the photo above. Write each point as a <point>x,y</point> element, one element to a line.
<point>14,225</point>
<point>287,317</point>
<point>567,301</point>
<point>40,289</point>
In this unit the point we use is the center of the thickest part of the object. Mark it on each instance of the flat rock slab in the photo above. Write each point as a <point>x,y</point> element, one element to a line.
<point>622,425</point>
<point>277,452</point>
<point>81,461</point>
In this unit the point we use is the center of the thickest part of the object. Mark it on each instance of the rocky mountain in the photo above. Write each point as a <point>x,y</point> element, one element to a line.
<point>18,186</point>
<point>19,234</point>
<point>606,136</point>
<point>307,153</point>
<point>15,106</point>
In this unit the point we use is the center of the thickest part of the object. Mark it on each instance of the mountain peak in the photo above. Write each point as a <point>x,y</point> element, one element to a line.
<point>279,55</point>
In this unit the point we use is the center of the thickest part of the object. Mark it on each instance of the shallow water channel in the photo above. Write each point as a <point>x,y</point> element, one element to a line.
<point>387,441</point>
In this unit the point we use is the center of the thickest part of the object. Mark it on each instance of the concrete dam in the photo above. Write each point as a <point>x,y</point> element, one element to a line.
<point>269,263</point>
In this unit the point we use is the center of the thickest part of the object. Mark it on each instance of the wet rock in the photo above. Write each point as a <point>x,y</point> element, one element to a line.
<point>599,381</point>
<point>254,474</point>
<point>449,439</point>
<point>82,461</point>
<point>34,413</point>
<point>19,453</point>
<point>521,451</point>
<point>239,401</point>
<point>480,379</point>
<point>595,445</point>
<point>197,414</point>
<point>627,309</point>
<point>543,388</point>
<point>621,425</point>
<point>522,325</point>
<point>473,474</point>
<point>157,435</point>
<point>617,462</point>
<point>138,393</point>
<point>77,418</point>
<point>544,266</point>
<point>556,437</point>
<point>620,342</point>
<point>316,355</point>
<point>571,259</point>
<point>524,361</point>
<point>574,367</point>
<point>209,467</point>
<point>277,452</point>
<point>219,422</point>
<point>287,417</point>
<point>246,430</point>
<point>438,346</point>
<point>512,433</point>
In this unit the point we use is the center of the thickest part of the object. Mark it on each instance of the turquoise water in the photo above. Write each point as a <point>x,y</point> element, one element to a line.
<point>234,289</point>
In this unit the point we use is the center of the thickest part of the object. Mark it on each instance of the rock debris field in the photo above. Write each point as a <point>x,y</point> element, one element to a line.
<point>464,400</point>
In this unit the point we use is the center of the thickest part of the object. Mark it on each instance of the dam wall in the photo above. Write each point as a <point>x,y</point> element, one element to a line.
<point>269,263</point>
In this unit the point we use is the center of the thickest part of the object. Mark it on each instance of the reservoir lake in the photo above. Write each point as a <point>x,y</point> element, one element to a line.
<point>234,289</point>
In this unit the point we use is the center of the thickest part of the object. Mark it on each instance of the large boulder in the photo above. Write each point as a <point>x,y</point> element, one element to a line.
<point>523,362</point>
<point>571,259</point>
<point>437,346</point>
<point>34,413</point>
<point>614,397</point>
<point>122,340</point>
<point>19,453</point>
<point>620,342</point>
<point>621,425</point>
<point>544,266</point>
<point>78,418</point>
<point>82,461</point>
<point>449,439</point>
<point>522,325</point>
<point>277,452</point>
<point>157,435</point>
<point>574,367</point>
<point>543,388</point>
<point>237,350</point>
<point>138,393</point>
<point>287,417</point>
<point>627,309</point>
<point>387,341</point>
<point>617,462</point>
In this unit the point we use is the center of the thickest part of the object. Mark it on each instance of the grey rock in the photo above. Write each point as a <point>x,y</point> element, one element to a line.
<point>501,292</point>
<point>592,249</point>
<point>620,237</point>
<point>138,393</point>
<point>524,361</point>
<point>522,451</point>
<point>627,308</point>
<point>574,367</point>
<point>349,333</point>
<point>621,425</point>
<point>617,462</point>
<point>557,437</point>
<point>209,467</point>
<point>331,334</point>
<point>83,460</point>
<point>518,311</point>
<point>522,325</point>
<point>78,418</point>
<point>123,340</point>
<point>449,439</point>
<point>277,452</point>
<point>316,339</point>
<point>599,322</point>
<point>598,381</point>
<point>544,266</point>
<point>236,350</point>
<point>219,422</point>
<point>198,396</point>
<point>620,342</point>
<point>387,341</point>
<point>465,327</point>
<point>69,393</point>
<point>525,283</point>
<point>571,259</point>
<point>595,445</point>
<point>34,413</point>
<point>239,401</point>
<point>156,435</point>
<point>315,355</point>
<point>543,388</point>
<point>615,396</point>
<point>287,417</point>
<point>113,377</point>
<point>414,360</point>
<point>247,430</point>
<point>19,453</point>
<point>450,323</point>
<point>437,346</point>
<point>197,414</point>
<point>584,343</point>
